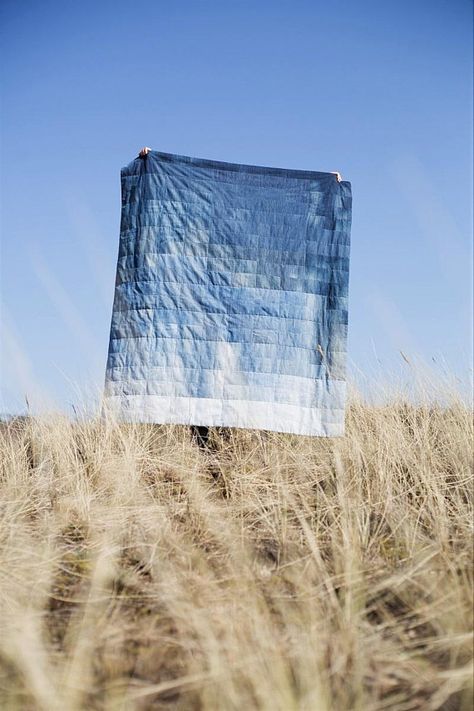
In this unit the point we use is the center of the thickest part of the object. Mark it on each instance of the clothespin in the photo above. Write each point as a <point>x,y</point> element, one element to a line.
<point>338,175</point>
<point>144,151</point>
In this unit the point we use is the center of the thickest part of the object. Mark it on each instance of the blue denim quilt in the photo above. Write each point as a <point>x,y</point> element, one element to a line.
<point>231,296</point>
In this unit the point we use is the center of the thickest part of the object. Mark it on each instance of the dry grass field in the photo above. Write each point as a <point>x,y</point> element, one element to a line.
<point>273,572</point>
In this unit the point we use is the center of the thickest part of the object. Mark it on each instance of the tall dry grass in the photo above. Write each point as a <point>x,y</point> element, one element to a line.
<point>275,572</point>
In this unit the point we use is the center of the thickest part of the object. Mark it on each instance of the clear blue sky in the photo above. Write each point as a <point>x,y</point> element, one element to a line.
<point>380,91</point>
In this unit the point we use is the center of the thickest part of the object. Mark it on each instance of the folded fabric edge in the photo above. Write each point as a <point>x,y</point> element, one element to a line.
<point>236,167</point>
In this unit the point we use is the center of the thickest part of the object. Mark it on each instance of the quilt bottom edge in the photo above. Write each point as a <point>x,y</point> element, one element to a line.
<point>210,412</point>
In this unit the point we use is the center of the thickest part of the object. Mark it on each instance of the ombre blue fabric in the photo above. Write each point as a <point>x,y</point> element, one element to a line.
<point>231,296</point>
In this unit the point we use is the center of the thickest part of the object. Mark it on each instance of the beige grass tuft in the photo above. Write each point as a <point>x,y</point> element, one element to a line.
<point>277,572</point>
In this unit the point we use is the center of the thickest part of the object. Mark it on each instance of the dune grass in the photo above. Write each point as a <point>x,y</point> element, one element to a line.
<point>272,572</point>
